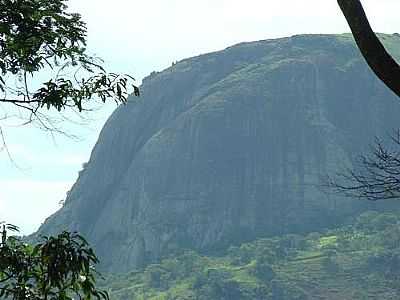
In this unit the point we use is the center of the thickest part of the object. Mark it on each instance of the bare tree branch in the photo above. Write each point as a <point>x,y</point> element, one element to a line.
<point>18,101</point>
<point>380,61</point>
<point>374,177</point>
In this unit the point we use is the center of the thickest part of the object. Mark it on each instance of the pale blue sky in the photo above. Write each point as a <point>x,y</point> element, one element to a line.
<point>137,37</point>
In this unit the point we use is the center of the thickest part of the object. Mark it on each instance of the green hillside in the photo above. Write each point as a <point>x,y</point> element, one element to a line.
<point>358,261</point>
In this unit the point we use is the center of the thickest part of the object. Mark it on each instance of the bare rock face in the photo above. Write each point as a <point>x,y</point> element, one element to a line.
<point>228,146</point>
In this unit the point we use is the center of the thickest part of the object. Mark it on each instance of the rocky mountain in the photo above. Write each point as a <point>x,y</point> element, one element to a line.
<point>229,146</point>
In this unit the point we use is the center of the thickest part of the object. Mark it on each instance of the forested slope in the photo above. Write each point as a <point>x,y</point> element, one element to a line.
<point>357,261</point>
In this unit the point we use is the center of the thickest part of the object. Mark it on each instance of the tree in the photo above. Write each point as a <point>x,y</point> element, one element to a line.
<point>59,267</point>
<point>375,176</point>
<point>380,61</point>
<point>40,37</point>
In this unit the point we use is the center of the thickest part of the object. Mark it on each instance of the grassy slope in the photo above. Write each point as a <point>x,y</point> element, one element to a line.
<point>361,261</point>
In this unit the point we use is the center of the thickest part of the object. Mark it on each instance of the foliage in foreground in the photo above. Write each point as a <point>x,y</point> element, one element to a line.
<point>361,261</point>
<point>59,267</point>
<point>41,38</point>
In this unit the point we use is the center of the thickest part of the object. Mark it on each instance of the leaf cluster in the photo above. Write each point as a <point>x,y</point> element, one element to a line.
<point>42,36</point>
<point>58,267</point>
<point>34,31</point>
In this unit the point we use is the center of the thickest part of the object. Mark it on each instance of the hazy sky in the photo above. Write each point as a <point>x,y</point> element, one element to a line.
<point>137,37</point>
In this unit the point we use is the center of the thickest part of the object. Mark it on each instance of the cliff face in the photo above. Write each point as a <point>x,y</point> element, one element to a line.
<point>228,146</point>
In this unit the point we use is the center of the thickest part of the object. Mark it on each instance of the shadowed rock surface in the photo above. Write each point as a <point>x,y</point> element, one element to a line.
<point>229,146</point>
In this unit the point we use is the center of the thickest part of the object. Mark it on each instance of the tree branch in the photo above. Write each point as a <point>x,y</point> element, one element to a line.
<point>16,101</point>
<point>373,177</point>
<point>380,61</point>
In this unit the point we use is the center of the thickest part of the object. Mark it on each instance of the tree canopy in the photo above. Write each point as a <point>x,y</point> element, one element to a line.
<point>59,267</point>
<point>42,37</point>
